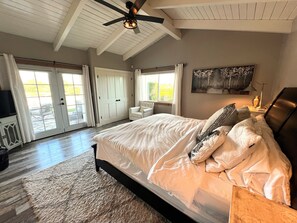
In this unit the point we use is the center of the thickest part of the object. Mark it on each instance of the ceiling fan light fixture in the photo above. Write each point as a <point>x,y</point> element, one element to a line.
<point>130,23</point>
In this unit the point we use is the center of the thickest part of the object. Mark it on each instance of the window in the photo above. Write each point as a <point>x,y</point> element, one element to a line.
<point>159,87</point>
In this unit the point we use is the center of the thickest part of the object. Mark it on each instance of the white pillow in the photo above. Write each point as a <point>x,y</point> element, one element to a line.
<point>240,143</point>
<point>254,171</point>
<point>208,145</point>
<point>266,171</point>
<point>261,125</point>
<point>142,108</point>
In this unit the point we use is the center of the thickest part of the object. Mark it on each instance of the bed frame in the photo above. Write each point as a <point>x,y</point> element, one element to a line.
<point>281,117</point>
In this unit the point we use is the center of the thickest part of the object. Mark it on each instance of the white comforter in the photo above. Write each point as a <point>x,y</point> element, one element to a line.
<point>144,141</point>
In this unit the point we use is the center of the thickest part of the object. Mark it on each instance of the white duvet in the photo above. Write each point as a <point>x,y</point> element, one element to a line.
<point>159,146</point>
<point>144,141</point>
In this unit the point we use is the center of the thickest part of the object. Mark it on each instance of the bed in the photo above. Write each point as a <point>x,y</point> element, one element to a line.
<point>209,203</point>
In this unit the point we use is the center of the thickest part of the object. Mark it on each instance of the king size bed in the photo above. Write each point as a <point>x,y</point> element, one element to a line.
<point>186,168</point>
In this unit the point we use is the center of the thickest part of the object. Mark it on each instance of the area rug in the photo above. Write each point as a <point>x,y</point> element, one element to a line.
<point>73,191</point>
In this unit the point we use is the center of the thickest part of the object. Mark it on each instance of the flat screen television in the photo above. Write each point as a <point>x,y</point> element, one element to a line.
<point>7,107</point>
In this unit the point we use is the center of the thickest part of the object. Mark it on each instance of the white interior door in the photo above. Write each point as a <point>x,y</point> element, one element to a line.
<point>113,91</point>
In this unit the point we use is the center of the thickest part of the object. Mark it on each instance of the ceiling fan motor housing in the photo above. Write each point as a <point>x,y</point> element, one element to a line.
<point>129,5</point>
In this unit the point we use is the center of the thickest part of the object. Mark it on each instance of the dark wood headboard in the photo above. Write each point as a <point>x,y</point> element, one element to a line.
<point>282,119</point>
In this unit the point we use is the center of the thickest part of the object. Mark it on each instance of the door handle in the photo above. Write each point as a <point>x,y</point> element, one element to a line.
<point>118,100</point>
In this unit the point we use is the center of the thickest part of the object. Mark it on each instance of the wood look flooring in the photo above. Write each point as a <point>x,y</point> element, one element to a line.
<point>33,157</point>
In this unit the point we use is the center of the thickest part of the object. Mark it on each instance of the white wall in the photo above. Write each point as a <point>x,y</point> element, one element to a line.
<point>287,70</point>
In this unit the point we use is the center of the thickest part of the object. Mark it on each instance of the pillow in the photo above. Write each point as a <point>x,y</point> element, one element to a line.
<point>224,116</point>
<point>208,145</point>
<point>142,108</point>
<point>262,125</point>
<point>243,113</point>
<point>254,171</point>
<point>240,142</point>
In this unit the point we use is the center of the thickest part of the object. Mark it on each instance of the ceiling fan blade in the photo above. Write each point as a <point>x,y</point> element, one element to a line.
<point>111,6</point>
<point>114,21</point>
<point>149,18</point>
<point>137,5</point>
<point>136,30</point>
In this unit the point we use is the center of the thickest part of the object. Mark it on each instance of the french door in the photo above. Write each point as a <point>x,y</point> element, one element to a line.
<point>56,100</point>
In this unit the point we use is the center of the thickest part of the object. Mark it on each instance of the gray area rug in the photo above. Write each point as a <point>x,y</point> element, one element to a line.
<point>73,191</point>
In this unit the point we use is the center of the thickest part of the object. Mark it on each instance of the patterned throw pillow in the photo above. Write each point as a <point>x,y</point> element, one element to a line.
<point>208,145</point>
<point>225,116</point>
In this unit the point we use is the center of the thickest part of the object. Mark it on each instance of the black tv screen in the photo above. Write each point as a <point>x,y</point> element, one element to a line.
<point>7,107</point>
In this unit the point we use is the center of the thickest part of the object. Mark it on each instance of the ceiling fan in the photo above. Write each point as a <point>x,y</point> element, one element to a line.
<point>130,18</point>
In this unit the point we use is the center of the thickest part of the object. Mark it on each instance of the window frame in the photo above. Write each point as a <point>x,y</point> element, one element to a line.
<point>159,73</point>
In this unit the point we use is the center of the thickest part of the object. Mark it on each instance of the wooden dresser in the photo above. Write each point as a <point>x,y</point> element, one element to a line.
<point>247,207</point>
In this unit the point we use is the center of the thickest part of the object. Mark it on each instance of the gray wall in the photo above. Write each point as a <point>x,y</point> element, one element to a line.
<point>287,72</point>
<point>108,60</point>
<point>205,49</point>
<point>29,48</point>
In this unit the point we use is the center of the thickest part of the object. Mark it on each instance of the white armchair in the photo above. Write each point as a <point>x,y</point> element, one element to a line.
<point>144,109</point>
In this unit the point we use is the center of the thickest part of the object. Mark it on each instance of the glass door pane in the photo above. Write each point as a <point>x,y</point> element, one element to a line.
<point>40,101</point>
<point>75,99</point>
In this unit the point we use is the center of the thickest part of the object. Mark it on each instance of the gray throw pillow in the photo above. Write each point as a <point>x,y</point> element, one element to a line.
<point>224,116</point>
<point>243,113</point>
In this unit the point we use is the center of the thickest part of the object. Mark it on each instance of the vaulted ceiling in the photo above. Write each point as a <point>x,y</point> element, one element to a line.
<point>78,23</point>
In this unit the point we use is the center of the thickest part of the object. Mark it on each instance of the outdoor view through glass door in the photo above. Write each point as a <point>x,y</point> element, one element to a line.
<point>55,101</point>
<point>75,108</point>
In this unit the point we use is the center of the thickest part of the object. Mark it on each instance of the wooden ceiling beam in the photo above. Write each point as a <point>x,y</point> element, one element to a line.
<point>294,25</point>
<point>150,40</point>
<point>269,26</point>
<point>70,18</point>
<point>111,39</point>
<point>167,25</point>
<point>167,4</point>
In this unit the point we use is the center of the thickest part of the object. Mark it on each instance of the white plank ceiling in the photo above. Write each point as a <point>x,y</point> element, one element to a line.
<point>78,23</point>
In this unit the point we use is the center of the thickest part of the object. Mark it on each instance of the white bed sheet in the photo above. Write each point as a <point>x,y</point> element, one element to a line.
<point>211,201</point>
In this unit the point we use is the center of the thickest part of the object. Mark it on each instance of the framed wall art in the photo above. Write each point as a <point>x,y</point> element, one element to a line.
<point>223,80</point>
